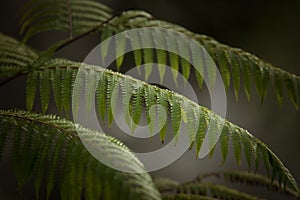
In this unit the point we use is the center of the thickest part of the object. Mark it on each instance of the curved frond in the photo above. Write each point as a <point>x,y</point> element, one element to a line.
<point>247,179</point>
<point>164,184</point>
<point>201,187</point>
<point>14,56</point>
<point>235,65</point>
<point>46,143</point>
<point>140,92</point>
<point>185,197</point>
<point>213,190</point>
<point>71,16</point>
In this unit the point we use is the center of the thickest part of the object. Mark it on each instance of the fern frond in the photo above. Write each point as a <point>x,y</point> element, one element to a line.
<point>164,184</point>
<point>248,179</point>
<point>213,190</point>
<point>185,197</point>
<point>71,16</point>
<point>237,63</point>
<point>234,64</point>
<point>14,56</point>
<point>192,114</point>
<point>47,143</point>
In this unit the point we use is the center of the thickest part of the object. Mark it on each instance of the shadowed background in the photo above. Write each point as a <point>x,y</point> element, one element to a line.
<point>269,29</point>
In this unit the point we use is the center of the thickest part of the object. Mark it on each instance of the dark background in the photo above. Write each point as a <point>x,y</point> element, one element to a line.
<point>269,29</point>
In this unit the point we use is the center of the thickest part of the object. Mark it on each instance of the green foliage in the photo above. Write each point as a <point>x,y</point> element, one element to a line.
<point>188,109</point>
<point>72,16</point>
<point>202,188</point>
<point>164,184</point>
<point>15,56</point>
<point>185,197</point>
<point>247,178</point>
<point>213,190</point>
<point>46,141</point>
<point>192,114</point>
<point>233,63</point>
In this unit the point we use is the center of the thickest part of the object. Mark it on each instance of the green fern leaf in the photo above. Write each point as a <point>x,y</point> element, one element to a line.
<point>175,112</point>
<point>53,157</point>
<point>101,95</point>
<point>261,79</point>
<point>290,82</point>
<point>161,54</point>
<point>111,99</point>
<point>202,128</point>
<point>248,148</point>
<point>120,49</point>
<point>136,44</point>
<point>41,159</point>
<point>278,84</point>
<point>191,120</point>
<point>185,58</point>
<point>137,106</point>
<point>67,81</point>
<point>224,139</point>
<point>197,59</point>
<point>223,63</point>
<point>162,100</point>
<point>174,58</point>
<point>246,75</point>
<point>151,100</point>
<point>265,158</point>
<point>44,89</point>
<point>237,147</point>
<point>57,88</point>
<point>31,87</point>
<point>104,48</point>
<point>210,69</point>
<point>126,96</point>
<point>3,139</point>
<point>235,74</point>
<point>17,157</point>
<point>90,88</point>
<point>76,94</point>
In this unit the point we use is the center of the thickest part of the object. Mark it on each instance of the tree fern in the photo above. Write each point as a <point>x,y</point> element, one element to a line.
<point>46,140</point>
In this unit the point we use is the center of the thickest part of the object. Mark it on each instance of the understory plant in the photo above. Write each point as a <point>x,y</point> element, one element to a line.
<point>47,149</point>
